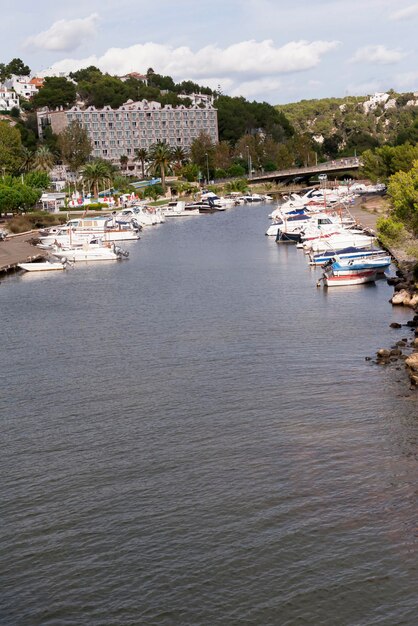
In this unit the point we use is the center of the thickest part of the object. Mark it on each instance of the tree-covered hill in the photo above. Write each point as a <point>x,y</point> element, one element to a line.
<point>345,125</point>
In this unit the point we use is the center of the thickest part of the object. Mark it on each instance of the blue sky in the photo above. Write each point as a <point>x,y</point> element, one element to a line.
<point>274,50</point>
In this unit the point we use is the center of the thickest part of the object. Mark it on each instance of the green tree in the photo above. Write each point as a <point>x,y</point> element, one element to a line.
<point>37,180</point>
<point>10,148</point>
<point>179,156</point>
<point>103,90</point>
<point>161,157</point>
<point>383,162</point>
<point>18,68</point>
<point>403,191</point>
<point>202,152</point>
<point>74,145</point>
<point>43,159</point>
<point>95,174</point>
<point>123,162</point>
<point>15,196</point>
<point>56,91</point>
<point>15,66</point>
<point>190,172</point>
<point>27,158</point>
<point>89,73</point>
<point>222,155</point>
<point>141,155</point>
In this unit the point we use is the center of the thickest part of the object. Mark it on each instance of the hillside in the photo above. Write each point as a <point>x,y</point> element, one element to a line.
<point>356,123</point>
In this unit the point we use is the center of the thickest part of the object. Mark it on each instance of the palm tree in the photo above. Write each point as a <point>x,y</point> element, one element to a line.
<point>179,156</point>
<point>96,173</point>
<point>124,161</point>
<point>43,159</point>
<point>161,157</point>
<point>141,155</point>
<point>27,157</point>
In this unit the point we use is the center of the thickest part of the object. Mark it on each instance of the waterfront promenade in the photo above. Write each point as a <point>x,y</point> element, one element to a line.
<point>17,249</point>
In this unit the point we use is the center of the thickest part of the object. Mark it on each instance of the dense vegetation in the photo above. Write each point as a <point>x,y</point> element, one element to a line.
<point>343,126</point>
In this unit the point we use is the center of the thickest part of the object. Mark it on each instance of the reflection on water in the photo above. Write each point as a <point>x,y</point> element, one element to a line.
<point>194,437</point>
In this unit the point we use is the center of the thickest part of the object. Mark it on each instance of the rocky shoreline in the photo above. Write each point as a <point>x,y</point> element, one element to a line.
<point>405,294</point>
<point>405,284</point>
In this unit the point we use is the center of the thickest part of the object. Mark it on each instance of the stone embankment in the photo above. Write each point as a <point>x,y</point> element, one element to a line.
<point>18,249</point>
<point>405,294</point>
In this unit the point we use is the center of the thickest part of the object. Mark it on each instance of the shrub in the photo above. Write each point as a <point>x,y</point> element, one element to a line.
<point>390,229</point>
<point>33,220</point>
<point>96,206</point>
<point>236,170</point>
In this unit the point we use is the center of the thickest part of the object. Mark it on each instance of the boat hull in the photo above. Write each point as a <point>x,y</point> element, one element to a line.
<point>333,280</point>
<point>43,266</point>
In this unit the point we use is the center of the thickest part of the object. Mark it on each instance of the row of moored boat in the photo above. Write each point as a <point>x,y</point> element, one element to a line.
<point>320,223</point>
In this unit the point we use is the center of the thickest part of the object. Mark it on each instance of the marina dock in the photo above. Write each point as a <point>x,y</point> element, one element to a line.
<point>17,249</point>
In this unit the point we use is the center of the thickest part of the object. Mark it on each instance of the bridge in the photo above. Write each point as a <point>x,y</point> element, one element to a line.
<point>299,173</point>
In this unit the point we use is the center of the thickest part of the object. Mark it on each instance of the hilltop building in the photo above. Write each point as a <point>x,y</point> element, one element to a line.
<point>24,86</point>
<point>136,76</point>
<point>120,132</point>
<point>8,99</point>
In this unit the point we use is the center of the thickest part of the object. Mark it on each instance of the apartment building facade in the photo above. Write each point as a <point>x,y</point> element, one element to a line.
<point>134,125</point>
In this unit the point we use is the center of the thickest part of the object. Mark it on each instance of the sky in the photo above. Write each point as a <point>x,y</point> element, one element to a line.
<point>278,51</point>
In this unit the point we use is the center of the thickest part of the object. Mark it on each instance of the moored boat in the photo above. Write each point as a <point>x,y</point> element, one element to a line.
<point>91,251</point>
<point>341,267</point>
<point>44,266</point>
<point>351,252</point>
<point>355,278</point>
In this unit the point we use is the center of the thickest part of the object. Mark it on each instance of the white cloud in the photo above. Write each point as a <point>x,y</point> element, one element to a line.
<point>404,14</point>
<point>65,35</point>
<point>256,89</point>
<point>366,88</point>
<point>407,80</point>
<point>245,60</point>
<point>377,54</point>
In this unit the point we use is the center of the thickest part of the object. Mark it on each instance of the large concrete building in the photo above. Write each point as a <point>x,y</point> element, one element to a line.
<point>120,132</point>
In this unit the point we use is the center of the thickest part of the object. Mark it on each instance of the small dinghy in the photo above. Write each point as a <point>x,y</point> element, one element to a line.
<point>43,266</point>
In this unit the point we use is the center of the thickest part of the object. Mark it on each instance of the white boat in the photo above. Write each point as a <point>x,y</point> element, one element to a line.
<point>334,242</point>
<point>221,200</point>
<point>91,252</point>
<point>178,209</point>
<point>358,278</point>
<point>82,229</point>
<point>253,197</point>
<point>43,266</point>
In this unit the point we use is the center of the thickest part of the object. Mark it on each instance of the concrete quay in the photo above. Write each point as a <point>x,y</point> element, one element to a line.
<point>17,249</point>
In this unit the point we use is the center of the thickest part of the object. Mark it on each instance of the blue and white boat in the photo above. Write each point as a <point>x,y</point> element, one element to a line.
<point>351,252</point>
<point>341,267</point>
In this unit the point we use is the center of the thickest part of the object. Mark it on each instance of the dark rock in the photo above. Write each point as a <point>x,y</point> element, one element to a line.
<point>383,353</point>
<point>367,358</point>
<point>395,325</point>
<point>412,323</point>
<point>395,352</point>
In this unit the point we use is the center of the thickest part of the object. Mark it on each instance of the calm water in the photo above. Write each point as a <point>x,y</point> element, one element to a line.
<point>194,437</point>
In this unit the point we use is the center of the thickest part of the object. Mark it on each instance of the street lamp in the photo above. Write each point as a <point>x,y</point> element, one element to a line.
<point>207,167</point>
<point>249,161</point>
